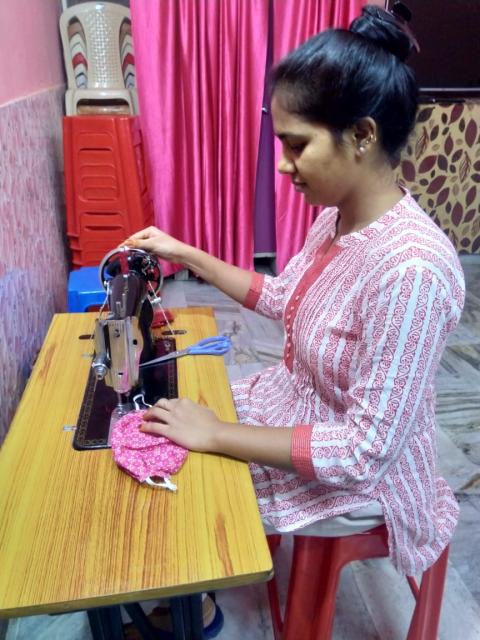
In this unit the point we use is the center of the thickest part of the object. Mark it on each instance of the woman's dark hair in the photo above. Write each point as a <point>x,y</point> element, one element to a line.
<point>340,76</point>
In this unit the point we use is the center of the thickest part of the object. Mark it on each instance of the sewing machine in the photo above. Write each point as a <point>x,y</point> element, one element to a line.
<point>132,279</point>
<point>131,368</point>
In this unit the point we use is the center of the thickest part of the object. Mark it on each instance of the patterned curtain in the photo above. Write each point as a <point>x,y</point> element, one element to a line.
<point>441,168</point>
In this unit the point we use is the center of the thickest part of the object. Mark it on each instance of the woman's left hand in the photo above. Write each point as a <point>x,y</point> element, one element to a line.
<point>184,422</point>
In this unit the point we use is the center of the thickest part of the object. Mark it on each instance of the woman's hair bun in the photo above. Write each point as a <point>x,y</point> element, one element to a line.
<point>387,29</point>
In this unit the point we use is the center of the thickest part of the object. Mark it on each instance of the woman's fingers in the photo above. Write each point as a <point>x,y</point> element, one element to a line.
<point>160,428</point>
<point>163,403</point>
<point>167,404</point>
<point>182,421</point>
<point>131,242</point>
<point>155,241</point>
<point>160,409</point>
<point>137,239</point>
<point>145,234</point>
<point>156,413</point>
<point>138,243</point>
<point>156,420</point>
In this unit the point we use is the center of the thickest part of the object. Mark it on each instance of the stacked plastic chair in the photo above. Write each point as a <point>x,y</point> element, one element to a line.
<point>106,192</point>
<point>106,189</point>
<point>99,60</point>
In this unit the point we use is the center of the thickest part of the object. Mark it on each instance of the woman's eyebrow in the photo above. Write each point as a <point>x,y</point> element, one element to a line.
<point>287,134</point>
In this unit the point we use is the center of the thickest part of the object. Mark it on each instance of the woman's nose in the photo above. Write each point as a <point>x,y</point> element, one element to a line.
<point>285,165</point>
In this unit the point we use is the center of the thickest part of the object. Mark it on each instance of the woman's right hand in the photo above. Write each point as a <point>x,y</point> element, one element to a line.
<point>155,241</point>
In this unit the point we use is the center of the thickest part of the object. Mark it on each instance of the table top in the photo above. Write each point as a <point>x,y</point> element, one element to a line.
<point>77,532</point>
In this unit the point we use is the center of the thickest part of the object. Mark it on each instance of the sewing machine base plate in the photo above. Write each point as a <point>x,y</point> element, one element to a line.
<point>99,400</point>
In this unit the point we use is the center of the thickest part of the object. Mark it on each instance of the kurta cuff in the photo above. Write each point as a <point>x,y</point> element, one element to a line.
<point>301,450</point>
<point>255,290</point>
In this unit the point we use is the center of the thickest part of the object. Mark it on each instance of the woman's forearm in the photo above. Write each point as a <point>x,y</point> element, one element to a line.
<point>197,428</point>
<point>233,281</point>
<point>263,445</point>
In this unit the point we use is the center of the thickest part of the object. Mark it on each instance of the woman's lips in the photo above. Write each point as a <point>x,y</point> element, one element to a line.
<point>300,186</point>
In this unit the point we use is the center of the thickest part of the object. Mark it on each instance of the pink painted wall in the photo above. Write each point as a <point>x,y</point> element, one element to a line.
<point>30,48</point>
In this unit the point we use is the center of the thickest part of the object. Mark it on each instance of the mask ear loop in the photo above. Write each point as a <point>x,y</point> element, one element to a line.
<point>166,483</point>
<point>140,403</point>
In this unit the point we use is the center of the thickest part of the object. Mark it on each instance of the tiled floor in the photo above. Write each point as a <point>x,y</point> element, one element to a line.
<point>374,603</point>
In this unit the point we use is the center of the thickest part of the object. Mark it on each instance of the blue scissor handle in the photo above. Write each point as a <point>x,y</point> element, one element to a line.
<point>216,345</point>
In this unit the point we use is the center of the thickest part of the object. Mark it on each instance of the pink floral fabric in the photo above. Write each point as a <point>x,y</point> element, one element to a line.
<point>144,455</point>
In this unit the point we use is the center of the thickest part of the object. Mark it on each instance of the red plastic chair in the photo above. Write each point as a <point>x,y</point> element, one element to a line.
<point>316,566</point>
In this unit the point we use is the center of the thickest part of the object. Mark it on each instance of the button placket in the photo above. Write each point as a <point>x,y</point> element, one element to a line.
<point>289,318</point>
<point>310,275</point>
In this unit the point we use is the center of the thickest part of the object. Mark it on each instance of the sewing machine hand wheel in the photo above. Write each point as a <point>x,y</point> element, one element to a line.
<point>125,260</point>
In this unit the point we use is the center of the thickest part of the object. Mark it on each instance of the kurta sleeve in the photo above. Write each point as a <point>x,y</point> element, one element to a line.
<point>407,314</point>
<point>267,293</point>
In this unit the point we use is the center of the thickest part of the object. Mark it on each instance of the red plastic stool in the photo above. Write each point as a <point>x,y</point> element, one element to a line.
<point>316,566</point>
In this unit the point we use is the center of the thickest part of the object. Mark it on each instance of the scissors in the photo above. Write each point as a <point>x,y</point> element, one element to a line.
<point>214,346</point>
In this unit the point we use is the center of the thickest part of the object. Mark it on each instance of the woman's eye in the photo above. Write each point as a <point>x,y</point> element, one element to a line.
<point>296,148</point>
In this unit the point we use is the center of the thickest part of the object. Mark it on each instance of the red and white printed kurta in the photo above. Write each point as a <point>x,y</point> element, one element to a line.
<point>366,321</point>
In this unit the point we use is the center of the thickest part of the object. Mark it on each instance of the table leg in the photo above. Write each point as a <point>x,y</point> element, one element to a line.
<point>106,623</point>
<point>187,620</point>
<point>196,616</point>
<point>142,623</point>
<point>187,617</point>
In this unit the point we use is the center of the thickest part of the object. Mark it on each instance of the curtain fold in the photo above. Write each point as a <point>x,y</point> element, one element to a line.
<point>295,22</point>
<point>200,73</point>
<point>200,69</point>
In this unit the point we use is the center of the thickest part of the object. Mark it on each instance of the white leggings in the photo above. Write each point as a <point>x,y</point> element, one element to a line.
<point>345,525</point>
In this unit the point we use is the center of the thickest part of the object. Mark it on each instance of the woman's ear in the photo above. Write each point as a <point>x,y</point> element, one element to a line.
<point>364,134</point>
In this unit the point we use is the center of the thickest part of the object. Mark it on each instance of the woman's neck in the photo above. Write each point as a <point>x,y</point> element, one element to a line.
<point>371,199</point>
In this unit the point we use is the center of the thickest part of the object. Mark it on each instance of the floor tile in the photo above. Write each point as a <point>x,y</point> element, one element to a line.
<point>69,626</point>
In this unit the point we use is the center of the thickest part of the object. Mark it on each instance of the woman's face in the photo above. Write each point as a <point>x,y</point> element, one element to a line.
<point>320,167</point>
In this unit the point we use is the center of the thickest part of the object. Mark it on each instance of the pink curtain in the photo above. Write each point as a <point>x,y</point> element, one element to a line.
<point>295,22</point>
<point>200,70</point>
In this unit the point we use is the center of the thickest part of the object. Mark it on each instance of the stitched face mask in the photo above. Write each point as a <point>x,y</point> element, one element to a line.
<point>143,455</point>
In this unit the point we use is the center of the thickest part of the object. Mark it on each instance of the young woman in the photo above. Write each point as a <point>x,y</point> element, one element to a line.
<point>345,424</point>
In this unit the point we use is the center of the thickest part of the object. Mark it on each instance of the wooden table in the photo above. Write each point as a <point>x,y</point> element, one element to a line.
<point>76,532</point>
